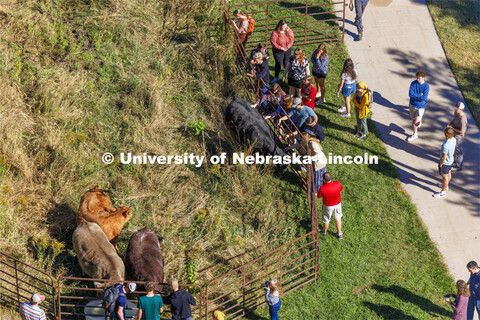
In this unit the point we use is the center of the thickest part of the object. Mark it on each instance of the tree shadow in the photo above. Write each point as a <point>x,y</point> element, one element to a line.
<point>410,297</point>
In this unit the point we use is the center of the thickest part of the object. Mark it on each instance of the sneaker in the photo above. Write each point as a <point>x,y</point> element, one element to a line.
<point>363,136</point>
<point>440,185</point>
<point>253,105</point>
<point>321,233</point>
<point>440,194</point>
<point>412,137</point>
<point>320,101</point>
<point>319,94</point>
<point>360,36</point>
<point>346,115</point>
<point>275,80</point>
<point>340,236</point>
<point>455,168</point>
<point>357,134</point>
<point>342,109</point>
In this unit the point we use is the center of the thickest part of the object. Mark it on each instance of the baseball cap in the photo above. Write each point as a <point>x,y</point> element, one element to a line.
<point>258,55</point>
<point>460,105</point>
<point>37,297</point>
<point>132,286</point>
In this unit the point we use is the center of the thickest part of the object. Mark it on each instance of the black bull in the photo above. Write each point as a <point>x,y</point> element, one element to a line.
<point>252,128</point>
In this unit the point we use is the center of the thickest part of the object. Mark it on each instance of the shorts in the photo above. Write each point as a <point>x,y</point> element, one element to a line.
<point>295,83</point>
<point>444,169</point>
<point>327,212</point>
<point>318,75</point>
<point>349,89</point>
<point>416,114</point>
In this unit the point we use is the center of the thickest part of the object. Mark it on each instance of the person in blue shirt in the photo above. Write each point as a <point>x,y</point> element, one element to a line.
<point>122,299</point>
<point>474,286</point>
<point>180,302</point>
<point>446,161</point>
<point>418,93</point>
<point>360,6</point>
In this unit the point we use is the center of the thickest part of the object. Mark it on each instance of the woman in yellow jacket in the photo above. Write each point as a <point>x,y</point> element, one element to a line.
<point>361,103</point>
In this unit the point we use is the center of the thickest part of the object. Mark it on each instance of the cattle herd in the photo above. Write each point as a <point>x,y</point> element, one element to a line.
<point>94,240</point>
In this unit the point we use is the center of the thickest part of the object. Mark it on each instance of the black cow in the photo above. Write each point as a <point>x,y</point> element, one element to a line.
<point>252,128</point>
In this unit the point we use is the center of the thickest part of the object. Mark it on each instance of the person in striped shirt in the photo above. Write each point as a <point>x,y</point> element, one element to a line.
<point>31,311</point>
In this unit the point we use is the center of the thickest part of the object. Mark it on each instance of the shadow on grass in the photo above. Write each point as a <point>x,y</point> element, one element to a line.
<point>408,296</point>
<point>387,312</point>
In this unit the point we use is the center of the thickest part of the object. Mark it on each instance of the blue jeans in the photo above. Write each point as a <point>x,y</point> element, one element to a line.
<point>274,310</point>
<point>473,304</point>
<point>360,6</point>
<point>458,155</point>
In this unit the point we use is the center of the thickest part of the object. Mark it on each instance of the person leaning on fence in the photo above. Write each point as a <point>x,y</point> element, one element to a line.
<point>312,128</point>
<point>282,41</point>
<point>31,310</point>
<point>121,302</point>
<point>308,93</point>
<point>297,70</point>
<point>261,73</point>
<point>361,103</point>
<point>150,305</point>
<point>332,203</point>
<point>180,302</point>
<point>241,25</point>
<point>269,102</point>
<point>262,48</point>
<point>272,297</point>
<point>283,120</point>
<point>319,71</point>
<point>348,79</point>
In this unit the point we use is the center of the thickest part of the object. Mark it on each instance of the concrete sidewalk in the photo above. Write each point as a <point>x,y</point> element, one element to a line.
<point>399,39</point>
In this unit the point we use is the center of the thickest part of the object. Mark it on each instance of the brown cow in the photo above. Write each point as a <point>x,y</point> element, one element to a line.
<point>96,255</point>
<point>144,259</point>
<point>96,206</point>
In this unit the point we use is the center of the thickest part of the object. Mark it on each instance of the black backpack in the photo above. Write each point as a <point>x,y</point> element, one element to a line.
<point>110,298</point>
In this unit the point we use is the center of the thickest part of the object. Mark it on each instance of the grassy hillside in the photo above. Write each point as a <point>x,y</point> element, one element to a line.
<point>81,78</point>
<point>458,26</point>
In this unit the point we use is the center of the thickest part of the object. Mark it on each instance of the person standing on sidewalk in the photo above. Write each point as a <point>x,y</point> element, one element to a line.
<point>474,286</point>
<point>282,41</point>
<point>446,160</point>
<point>360,6</point>
<point>332,203</point>
<point>418,94</point>
<point>31,311</point>
<point>459,126</point>
<point>361,103</point>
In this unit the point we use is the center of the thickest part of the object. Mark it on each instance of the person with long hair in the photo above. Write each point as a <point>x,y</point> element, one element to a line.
<point>459,305</point>
<point>282,41</point>
<point>348,79</point>
<point>361,103</point>
<point>241,25</point>
<point>308,92</point>
<point>284,120</point>
<point>262,48</point>
<point>319,71</point>
<point>272,297</point>
<point>269,102</point>
<point>297,70</point>
<point>318,157</point>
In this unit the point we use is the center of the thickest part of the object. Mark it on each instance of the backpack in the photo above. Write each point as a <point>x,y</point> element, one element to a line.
<point>251,25</point>
<point>370,98</point>
<point>110,297</point>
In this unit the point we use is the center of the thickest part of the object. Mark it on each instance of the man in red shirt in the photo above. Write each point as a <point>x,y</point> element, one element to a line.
<point>332,203</point>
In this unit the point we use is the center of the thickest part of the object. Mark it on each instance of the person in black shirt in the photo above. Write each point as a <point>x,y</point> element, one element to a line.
<point>260,71</point>
<point>180,302</point>
<point>312,128</point>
